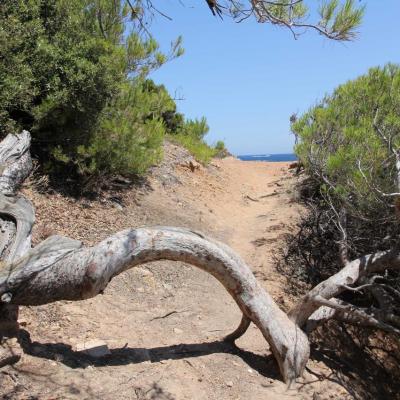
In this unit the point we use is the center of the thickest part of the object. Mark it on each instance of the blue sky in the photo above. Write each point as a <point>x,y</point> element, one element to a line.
<point>247,79</point>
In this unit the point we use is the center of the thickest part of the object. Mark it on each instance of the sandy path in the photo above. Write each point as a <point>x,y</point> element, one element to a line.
<point>163,321</point>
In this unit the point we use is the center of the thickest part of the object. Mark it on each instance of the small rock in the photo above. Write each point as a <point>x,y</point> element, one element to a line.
<point>193,165</point>
<point>229,383</point>
<point>93,348</point>
<point>177,330</point>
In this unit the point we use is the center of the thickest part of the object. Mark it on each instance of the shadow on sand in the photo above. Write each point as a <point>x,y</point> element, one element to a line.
<point>61,352</point>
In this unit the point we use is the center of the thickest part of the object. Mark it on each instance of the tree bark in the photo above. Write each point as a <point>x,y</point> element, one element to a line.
<point>16,213</point>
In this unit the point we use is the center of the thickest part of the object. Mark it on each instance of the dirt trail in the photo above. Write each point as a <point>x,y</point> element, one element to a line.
<point>163,322</point>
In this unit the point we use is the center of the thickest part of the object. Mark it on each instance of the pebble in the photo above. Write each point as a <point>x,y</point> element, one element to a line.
<point>229,383</point>
<point>94,348</point>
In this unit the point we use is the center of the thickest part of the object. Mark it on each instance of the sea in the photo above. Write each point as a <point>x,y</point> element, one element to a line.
<point>268,157</point>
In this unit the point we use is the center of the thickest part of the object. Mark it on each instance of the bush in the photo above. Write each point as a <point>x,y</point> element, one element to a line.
<point>57,72</point>
<point>65,68</point>
<point>130,135</point>
<point>198,148</point>
<point>347,144</point>
<point>220,150</point>
<point>73,74</point>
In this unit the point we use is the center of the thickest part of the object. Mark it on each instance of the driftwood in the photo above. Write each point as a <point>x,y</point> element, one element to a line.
<point>60,268</point>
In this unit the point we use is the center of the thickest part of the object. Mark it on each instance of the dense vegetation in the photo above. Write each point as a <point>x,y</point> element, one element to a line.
<point>349,146</point>
<point>75,74</point>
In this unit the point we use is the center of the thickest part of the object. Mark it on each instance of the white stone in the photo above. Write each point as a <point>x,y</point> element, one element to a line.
<point>93,348</point>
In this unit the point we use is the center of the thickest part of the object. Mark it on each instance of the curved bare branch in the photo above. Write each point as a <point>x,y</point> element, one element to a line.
<point>61,269</point>
<point>239,331</point>
<point>337,283</point>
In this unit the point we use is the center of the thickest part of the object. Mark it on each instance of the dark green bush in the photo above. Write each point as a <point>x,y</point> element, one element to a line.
<point>56,71</point>
<point>340,142</point>
<point>348,144</point>
<point>65,68</point>
<point>130,135</point>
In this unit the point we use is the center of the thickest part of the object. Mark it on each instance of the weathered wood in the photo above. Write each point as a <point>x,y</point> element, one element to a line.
<point>61,269</point>
<point>239,331</point>
<point>22,216</point>
<point>345,312</point>
<point>337,283</point>
<point>15,162</point>
<point>16,221</point>
<point>17,215</point>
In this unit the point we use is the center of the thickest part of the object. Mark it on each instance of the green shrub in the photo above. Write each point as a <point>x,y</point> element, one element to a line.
<point>130,135</point>
<point>220,146</point>
<point>198,148</point>
<point>57,72</point>
<point>220,150</point>
<point>65,68</point>
<point>73,74</point>
<point>347,144</point>
<point>195,128</point>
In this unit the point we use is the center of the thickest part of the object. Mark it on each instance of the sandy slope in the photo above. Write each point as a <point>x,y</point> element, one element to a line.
<point>163,321</point>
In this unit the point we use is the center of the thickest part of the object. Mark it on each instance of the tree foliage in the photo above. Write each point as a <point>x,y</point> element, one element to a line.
<point>130,134</point>
<point>349,144</point>
<point>347,141</point>
<point>335,19</point>
<point>71,72</point>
